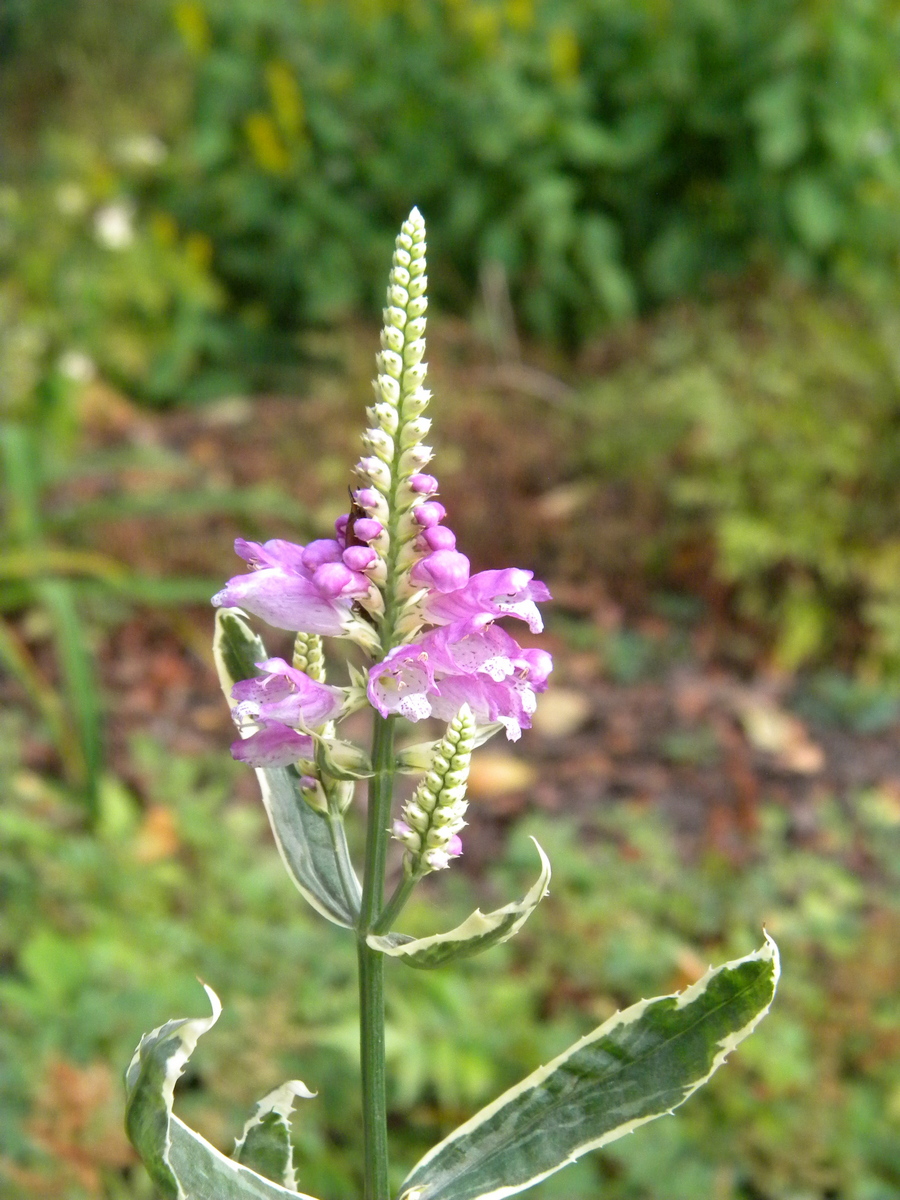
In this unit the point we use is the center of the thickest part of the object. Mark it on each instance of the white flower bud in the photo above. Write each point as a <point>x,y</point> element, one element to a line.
<point>413,352</point>
<point>392,339</point>
<point>401,257</point>
<point>379,443</point>
<point>404,240</point>
<point>398,296</point>
<point>418,287</point>
<point>388,388</point>
<point>416,307</point>
<point>416,402</point>
<point>417,266</point>
<point>399,275</point>
<point>390,363</point>
<point>416,816</point>
<point>414,459</point>
<point>436,860</point>
<point>376,472</point>
<point>395,316</point>
<point>413,432</point>
<point>383,416</point>
<point>415,329</point>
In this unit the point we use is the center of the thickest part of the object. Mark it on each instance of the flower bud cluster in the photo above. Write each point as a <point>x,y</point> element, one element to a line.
<point>433,818</point>
<point>309,656</point>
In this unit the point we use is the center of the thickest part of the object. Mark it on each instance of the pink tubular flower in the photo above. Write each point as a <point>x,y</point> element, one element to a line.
<point>305,588</point>
<point>272,745</point>
<point>486,669</point>
<point>287,695</point>
<point>488,595</point>
<point>275,703</point>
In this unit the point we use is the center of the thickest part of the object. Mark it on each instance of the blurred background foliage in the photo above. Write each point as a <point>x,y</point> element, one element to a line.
<point>674,227</point>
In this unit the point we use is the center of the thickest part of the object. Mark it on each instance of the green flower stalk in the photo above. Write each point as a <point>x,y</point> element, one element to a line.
<point>392,582</point>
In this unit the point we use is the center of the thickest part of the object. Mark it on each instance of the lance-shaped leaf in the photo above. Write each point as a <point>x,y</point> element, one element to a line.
<point>311,844</point>
<point>265,1144</point>
<point>478,932</point>
<point>182,1164</point>
<point>641,1064</point>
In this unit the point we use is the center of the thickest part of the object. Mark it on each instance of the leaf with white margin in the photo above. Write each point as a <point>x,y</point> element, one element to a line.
<point>478,932</point>
<point>182,1164</point>
<point>640,1064</point>
<point>265,1144</point>
<point>311,844</point>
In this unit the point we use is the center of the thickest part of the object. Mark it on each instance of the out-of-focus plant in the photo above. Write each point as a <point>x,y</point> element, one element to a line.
<point>88,292</point>
<point>94,283</point>
<point>768,426</point>
<point>602,157</point>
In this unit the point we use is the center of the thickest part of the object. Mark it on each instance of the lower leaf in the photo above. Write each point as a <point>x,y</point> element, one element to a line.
<point>182,1164</point>
<point>639,1065</point>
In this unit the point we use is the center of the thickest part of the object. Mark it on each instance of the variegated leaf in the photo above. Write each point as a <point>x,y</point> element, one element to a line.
<point>311,844</point>
<point>265,1144</point>
<point>182,1164</point>
<point>641,1064</point>
<point>478,932</point>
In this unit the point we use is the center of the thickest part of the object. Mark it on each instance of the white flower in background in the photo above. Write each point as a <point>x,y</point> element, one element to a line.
<point>71,199</point>
<point>114,225</point>
<point>77,366</point>
<point>140,150</point>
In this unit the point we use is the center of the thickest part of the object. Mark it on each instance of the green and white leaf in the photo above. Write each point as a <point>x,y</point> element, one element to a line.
<point>265,1144</point>
<point>478,932</point>
<point>182,1164</point>
<point>311,844</point>
<point>641,1064</point>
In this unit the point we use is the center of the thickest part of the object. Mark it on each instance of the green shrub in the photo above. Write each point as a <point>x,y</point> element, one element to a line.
<point>606,156</point>
<point>768,426</point>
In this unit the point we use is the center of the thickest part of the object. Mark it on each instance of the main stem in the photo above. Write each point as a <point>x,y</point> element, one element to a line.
<point>371,965</point>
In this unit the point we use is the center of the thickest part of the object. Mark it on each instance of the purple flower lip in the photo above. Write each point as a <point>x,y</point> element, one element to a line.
<point>425,485</point>
<point>438,537</point>
<point>333,579</point>
<point>357,558</point>
<point>367,529</point>
<point>511,592</point>
<point>430,513</point>
<point>444,571</point>
<point>368,498</point>
<point>273,745</point>
<point>325,550</point>
<point>288,593</point>
<point>486,669</point>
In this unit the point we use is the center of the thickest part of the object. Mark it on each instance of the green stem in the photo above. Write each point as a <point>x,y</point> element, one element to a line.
<point>349,882</point>
<point>394,906</point>
<point>371,965</point>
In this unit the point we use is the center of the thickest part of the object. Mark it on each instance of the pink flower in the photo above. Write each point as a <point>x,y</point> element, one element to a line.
<point>273,745</point>
<point>306,588</point>
<point>287,695</point>
<point>485,597</point>
<point>486,669</point>
<point>441,571</point>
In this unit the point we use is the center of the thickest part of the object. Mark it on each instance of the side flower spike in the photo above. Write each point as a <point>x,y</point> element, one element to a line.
<point>433,818</point>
